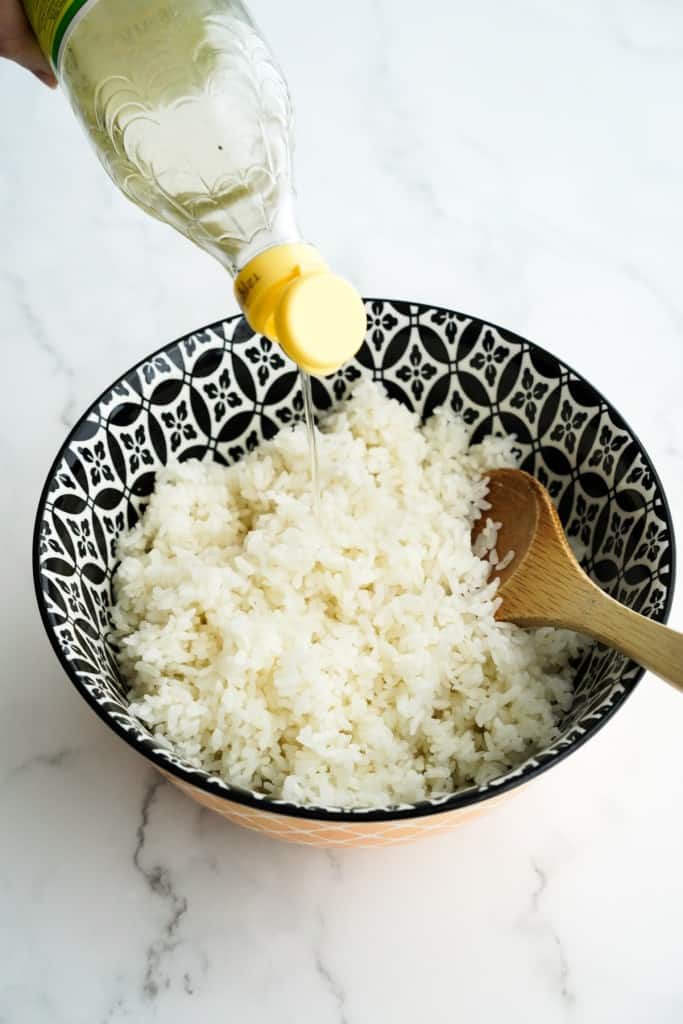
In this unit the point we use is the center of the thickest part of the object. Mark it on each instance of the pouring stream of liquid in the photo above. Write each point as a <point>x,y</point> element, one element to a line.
<point>311,433</point>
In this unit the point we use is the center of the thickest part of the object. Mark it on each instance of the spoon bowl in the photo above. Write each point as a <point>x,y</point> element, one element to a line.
<point>542,584</point>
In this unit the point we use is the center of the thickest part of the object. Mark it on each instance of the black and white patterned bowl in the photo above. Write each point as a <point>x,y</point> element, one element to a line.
<point>218,392</point>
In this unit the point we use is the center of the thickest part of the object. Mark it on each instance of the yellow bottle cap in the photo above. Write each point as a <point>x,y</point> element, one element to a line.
<point>320,322</point>
<point>288,294</point>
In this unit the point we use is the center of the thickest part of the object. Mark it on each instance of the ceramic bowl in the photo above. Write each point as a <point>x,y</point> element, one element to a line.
<point>218,392</point>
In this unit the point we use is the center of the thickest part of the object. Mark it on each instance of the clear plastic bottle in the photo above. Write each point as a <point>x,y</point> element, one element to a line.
<point>191,117</point>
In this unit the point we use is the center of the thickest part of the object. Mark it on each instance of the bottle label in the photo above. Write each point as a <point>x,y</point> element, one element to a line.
<point>52,21</point>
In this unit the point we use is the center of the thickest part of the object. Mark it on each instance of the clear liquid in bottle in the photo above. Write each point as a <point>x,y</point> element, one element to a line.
<point>191,117</point>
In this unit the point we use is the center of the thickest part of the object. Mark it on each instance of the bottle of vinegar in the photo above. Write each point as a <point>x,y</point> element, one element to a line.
<point>191,117</point>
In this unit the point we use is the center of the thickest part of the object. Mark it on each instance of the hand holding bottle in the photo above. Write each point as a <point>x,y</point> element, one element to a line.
<point>18,43</point>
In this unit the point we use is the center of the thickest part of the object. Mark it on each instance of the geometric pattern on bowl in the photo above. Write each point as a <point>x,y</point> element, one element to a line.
<point>216,393</point>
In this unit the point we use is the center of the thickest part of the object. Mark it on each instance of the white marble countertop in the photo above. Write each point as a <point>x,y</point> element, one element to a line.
<point>521,161</point>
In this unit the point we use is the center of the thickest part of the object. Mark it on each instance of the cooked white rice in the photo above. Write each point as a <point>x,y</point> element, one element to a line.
<point>351,661</point>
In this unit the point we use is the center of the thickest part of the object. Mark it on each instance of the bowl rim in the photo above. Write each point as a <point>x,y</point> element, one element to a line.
<point>456,801</point>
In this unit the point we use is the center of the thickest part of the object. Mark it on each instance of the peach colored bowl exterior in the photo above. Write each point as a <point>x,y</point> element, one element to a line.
<point>312,832</point>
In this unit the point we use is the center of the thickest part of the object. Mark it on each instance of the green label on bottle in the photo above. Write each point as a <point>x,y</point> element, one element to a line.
<point>51,21</point>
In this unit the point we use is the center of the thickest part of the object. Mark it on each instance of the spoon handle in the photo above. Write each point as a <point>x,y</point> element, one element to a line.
<point>655,647</point>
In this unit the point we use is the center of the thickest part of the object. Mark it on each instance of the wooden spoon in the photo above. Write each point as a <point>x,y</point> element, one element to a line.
<point>544,585</point>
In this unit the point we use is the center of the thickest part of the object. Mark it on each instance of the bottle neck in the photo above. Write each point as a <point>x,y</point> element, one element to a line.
<point>283,230</point>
